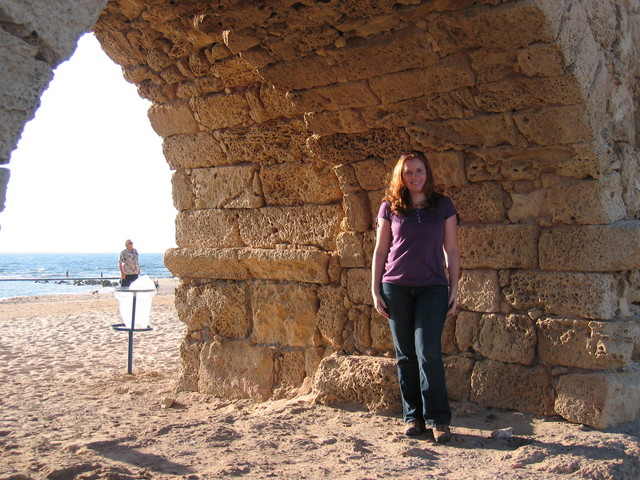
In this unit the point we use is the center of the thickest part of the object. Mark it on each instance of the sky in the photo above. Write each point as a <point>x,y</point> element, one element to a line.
<point>88,172</point>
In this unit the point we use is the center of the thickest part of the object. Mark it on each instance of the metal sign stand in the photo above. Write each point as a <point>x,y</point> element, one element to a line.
<point>121,327</point>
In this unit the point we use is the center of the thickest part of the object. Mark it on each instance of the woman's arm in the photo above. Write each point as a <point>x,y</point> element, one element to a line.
<point>453,260</point>
<point>380,253</point>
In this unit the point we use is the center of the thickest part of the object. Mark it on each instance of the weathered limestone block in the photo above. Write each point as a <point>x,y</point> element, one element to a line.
<point>311,71</point>
<point>439,106</point>
<point>284,314</point>
<point>22,80</point>
<point>242,39</point>
<point>228,187</point>
<point>458,371</point>
<point>193,151</point>
<point>368,22</point>
<point>335,271</point>
<point>222,110</point>
<point>483,131</point>
<point>591,248</point>
<point>235,72</point>
<point>312,359</point>
<point>357,212</point>
<point>208,228</point>
<point>4,180</point>
<point>53,27</point>
<point>369,381</point>
<point>275,142</point>
<point>359,285</point>
<point>196,88</point>
<point>515,94</point>
<point>629,173</point>
<point>220,263</point>
<point>219,308</point>
<point>448,168</point>
<point>516,25</point>
<point>445,75</point>
<point>371,174</point>
<point>308,225</point>
<point>471,209</point>
<point>157,60</point>
<point>333,97</point>
<point>601,399</point>
<point>332,314</point>
<point>236,369</point>
<point>602,20</point>
<point>555,125</point>
<point>157,93</point>
<point>499,246</point>
<point>299,183</point>
<point>587,344</point>
<point>360,318</point>
<point>188,374</point>
<point>479,291</point>
<point>501,385</point>
<point>541,59</point>
<point>368,244</point>
<point>344,148</point>
<point>586,295</point>
<point>588,201</point>
<point>258,56</point>
<point>579,46</point>
<point>350,251</point>
<point>172,119</point>
<point>290,373</point>
<point>621,102</point>
<point>448,337</point>
<point>492,65</point>
<point>268,103</point>
<point>530,207</point>
<point>328,122</point>
<point>375,201</point>
<point>381,339</point>
<point>182,191</point>
<point>289,265</point>
<point>347,179</point>
<point>507,338</point>
<point>506,163</point>
<point>467,329</point>
<point>395,51</point>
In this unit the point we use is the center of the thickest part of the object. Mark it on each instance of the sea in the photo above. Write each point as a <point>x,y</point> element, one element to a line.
<point>29,274</point>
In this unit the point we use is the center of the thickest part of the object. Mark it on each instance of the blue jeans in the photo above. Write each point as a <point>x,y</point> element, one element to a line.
<point>416,318</point>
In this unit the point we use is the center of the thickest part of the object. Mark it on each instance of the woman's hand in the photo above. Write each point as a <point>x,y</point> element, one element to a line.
<point>453,302</point>
<point>380,305</point>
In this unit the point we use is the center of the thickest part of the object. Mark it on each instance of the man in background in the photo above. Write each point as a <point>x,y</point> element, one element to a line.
<point>129,264</point>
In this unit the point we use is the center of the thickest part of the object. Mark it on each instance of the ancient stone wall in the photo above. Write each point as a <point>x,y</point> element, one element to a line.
<point>282,119</point>
<point>35,37</point>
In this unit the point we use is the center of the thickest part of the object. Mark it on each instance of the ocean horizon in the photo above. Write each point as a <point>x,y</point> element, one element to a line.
<point>53,273</point>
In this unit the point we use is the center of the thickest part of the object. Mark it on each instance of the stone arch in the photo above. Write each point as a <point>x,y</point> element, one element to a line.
<point>281,119</point>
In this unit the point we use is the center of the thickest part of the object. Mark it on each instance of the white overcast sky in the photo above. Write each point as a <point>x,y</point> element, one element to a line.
<point>88,172</point>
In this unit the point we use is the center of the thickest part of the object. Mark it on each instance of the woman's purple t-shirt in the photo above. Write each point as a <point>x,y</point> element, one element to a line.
<point>416,256</point>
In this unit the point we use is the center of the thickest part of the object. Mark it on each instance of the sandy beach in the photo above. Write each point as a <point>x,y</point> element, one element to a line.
<point>69,410</point>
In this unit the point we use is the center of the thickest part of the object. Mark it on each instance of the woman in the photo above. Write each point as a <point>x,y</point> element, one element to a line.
<point>415,286</point>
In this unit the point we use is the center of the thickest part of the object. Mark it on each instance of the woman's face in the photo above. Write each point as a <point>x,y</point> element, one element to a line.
<point>414,175</point>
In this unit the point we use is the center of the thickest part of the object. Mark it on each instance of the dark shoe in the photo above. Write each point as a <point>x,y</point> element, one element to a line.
<point>442,433</point>
<point>413,427</point>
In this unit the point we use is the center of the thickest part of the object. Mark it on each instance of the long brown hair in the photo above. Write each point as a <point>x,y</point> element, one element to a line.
<point>397,193</point>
